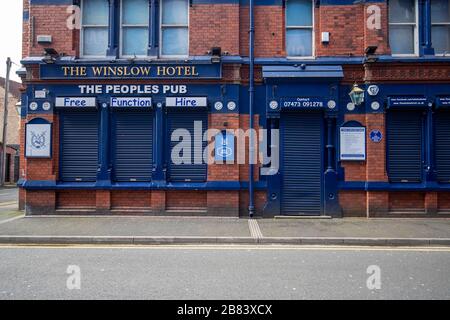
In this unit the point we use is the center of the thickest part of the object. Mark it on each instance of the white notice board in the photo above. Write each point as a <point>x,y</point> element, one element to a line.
<point>353,143</point>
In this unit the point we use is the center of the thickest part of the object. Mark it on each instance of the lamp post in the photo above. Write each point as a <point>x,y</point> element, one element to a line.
<point>5,123</point>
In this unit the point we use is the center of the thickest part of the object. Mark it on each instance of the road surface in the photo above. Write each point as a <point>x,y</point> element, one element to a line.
<point>224,272</point>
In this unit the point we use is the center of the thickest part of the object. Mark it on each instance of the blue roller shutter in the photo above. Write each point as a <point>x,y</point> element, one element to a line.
<point>443,146</point>
<point>195,171</point>
<point>404,134</point>
<point>79,146</point>
<point>133,149</point>
<point>302,163</point>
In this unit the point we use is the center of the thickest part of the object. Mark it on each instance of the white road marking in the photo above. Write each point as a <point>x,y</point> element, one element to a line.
<point>255,231</point>
<point>11,219</point>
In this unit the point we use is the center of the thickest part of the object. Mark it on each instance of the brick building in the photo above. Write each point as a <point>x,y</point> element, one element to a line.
<point>109,82</point>
<point>13,130</point>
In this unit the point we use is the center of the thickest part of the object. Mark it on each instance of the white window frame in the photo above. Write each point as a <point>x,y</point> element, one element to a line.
<point>313,34</point>
<point>416,32</point>
<point>162,26</point>
<point>131,26</point>
<point>447,53</point>
<point>83,26</point>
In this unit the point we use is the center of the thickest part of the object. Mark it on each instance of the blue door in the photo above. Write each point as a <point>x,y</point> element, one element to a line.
<point>79,146</point>
<point>302,163</point>
<point>133,148</point>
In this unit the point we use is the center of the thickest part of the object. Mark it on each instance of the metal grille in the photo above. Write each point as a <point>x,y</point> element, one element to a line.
<point>302,163</point>
<point>196,169</point>
<point>133,150</point>
<point>404,134</point>
<point>79,158</point>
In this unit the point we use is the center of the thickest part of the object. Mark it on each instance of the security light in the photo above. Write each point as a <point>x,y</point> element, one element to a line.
<point>370,50</point>
<point>50,55</point>
<point>370,54</point>
<point>216,54</point>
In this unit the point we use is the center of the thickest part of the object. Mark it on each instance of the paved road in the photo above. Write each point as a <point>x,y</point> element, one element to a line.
<point>8,204</point>
<point>8,194</point>
<point>223,273</point>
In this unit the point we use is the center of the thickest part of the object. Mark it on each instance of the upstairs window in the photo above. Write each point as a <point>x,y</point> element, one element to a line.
<point>299,28</point>
<point>94,27</point>
<point>134,27</point>
<point>174,28</point>
<point>403,33</point>
<point>440,26</point>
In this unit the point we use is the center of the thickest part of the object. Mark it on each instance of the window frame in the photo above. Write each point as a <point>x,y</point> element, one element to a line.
<point>432,24</point>
<point>313,35</point>
<point>416,32</point>
<point>121,27</point>
<point>82,28</point>
<point>162,26</point>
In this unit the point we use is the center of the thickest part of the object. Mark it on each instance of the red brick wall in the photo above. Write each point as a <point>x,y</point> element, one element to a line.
<point>344,22</point>
<point>227,25</point>
<point>377,37</point>
<point>376,152</point>
<point>40,202</point>
<point>444,201</point>
<point>130,199</point>
<point>269,31</point>
<point>75,199</point>
<point>353,203</point>
<point>186,199</point>
<point>260,201</point>
<point>223,172</point>
<point>244,168</point>
<point>214,26</point>
<point>52,20</point>
<point>26,31</point>
<point>401,201</point>
<point>223,203</point>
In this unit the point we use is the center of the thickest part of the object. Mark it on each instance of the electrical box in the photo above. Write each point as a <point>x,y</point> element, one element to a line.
<point>44,39</point>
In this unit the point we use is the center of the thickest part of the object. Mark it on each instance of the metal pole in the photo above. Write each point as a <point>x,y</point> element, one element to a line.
<point>251,206</point>
<point>5,124</point>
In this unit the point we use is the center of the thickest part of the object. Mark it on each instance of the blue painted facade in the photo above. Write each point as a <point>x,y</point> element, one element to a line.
<point>286,88</point>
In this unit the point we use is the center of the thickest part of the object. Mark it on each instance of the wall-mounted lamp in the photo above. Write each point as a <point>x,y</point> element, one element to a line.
<point>19,107</point>
<point>357,95</point>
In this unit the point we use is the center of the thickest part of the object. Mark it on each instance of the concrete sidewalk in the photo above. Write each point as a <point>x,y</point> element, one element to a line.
<point>188,230</point>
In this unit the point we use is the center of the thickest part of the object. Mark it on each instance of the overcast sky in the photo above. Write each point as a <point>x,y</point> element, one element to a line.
<point>10,35</point>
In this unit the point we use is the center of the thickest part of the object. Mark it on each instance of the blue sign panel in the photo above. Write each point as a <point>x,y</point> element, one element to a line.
<point>134,71</point>
<point>75,102</point>
<point>443,102</point>
<point>187,102</point>
<point>133,102</point>
<point>303,103</point>
<point>224,147</point>
<point>376,136</point>
<point>414,102</point>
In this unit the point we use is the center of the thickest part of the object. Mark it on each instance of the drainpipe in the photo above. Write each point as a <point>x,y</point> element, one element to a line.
<point>251,90</point>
